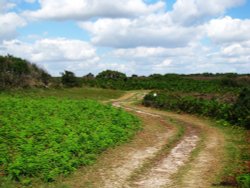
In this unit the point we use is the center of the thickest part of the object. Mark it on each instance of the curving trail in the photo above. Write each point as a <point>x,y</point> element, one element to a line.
<point>192,161</point>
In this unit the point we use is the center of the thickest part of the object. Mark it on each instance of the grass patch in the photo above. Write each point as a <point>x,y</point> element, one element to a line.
<point>70,93</point>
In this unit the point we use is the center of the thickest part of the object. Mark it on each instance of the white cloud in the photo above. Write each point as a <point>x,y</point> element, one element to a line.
<point>188,12</point>
<point>234,54</point>
<point>193,58</point>
<point>228,30</point>
<point>151,31</point>
<point>149,52</point>
<point>5,6</point>
<point>55,54</point>
<point>144,38</point>
<point>85,9</point>
<point>163,66</point>
<point>237,51</point>
<point>9,22</point>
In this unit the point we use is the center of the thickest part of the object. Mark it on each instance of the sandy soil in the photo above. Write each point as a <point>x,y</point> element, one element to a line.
<point>115,166</point>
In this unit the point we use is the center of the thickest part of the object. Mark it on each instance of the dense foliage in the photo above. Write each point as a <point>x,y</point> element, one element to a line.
<point>241,109</point>
<point>16,72</point>
<point>69,79</point>
<point>43,138</point>
<point>169,82</point>
<point>237,113</point>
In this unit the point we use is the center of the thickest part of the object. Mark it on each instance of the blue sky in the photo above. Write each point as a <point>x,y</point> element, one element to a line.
<point>132,36</point>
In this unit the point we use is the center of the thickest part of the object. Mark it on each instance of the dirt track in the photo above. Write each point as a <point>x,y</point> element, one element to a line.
<point>193,161</point>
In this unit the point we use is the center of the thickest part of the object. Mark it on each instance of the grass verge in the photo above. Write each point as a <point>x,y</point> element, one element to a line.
<point>237,160</point>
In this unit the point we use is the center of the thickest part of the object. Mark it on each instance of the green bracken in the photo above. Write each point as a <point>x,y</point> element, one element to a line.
<point>42,138</point>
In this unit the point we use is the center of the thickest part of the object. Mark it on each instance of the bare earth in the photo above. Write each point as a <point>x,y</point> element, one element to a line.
<point>115,166</point>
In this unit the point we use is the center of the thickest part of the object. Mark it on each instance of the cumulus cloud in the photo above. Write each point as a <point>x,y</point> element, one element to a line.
<point>237,54</point>
<point>85,9</point>
<point>149,52</point>
<point>54,54</point>
<point>9,22</point>
<point>188,12</point>
<point>5,6</point>
<point>194,58</point>
<point>228,30</point>
<point>153,30</point>
<point>144,37</point>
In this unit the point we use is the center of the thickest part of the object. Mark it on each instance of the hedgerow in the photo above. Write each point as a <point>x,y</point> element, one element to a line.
<point>237,113</point>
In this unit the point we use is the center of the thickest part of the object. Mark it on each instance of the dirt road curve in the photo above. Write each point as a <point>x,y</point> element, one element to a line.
<point>193,160</point>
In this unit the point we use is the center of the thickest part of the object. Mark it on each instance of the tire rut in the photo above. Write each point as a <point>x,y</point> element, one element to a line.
<point>161,174</point>
<point>119,175</point>
<point>203,168</point>
<point>117,172</point>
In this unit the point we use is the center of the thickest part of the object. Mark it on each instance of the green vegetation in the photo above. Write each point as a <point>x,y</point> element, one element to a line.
<point>69,79</point>
<point>50,129</point>
<point>19,73</point>
<point>236,160</point>
<point>244,180</point>
<point>169,82</point>
<point>44,137</point>
<point>237,113</point>
<point>69,93</point>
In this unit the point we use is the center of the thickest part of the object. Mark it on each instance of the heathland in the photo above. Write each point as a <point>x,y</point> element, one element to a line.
<point>64,131</point>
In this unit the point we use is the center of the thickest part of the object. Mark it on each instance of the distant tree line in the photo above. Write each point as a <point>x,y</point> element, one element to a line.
<point>16,72</point>
<point>207,82</point>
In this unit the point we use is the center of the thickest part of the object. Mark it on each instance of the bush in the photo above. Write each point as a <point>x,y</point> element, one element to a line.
<point>188,104</point>
<point>241,109</point>
<point>243,180</point>
<point>237,113</point>
<point>69,79</point>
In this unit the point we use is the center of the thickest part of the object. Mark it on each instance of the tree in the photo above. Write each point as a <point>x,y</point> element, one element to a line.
<point>69,79</point>
<point>45,77</point>
<point>114,75</point>
<point>89,76</point>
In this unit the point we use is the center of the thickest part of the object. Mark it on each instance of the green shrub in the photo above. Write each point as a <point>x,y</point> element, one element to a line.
<point>241,109</point>
<point>243,180</point>
<point>237,113</point>
<point>188,104</point>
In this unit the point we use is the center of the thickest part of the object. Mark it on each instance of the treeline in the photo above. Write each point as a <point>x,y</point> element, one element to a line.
<point>170,82</point>
<point>237,112</point>
<point>18,73</point>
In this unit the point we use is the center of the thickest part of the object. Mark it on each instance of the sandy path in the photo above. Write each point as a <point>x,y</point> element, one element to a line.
<point>203,169</point>
<point>119,174</point>
<point>115,167</point>
<point>208,163</point>
<point>160,175</point>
